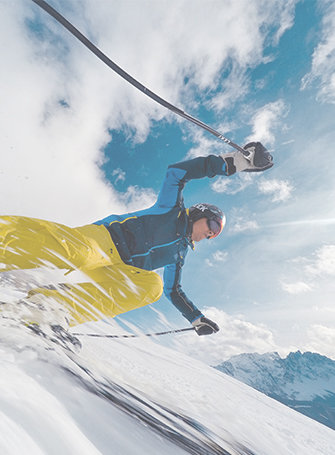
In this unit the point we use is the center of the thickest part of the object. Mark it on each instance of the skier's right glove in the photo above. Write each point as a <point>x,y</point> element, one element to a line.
<point>255,159</point>
<point>204,326</point>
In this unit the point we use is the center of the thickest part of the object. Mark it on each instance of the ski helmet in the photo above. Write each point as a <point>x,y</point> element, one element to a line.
<point>215,217</point>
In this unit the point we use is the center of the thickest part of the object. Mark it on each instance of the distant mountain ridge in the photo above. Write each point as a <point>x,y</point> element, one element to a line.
<point>302,381</point>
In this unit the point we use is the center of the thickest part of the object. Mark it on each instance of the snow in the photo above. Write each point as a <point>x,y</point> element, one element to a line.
<point>45,410</point>
<point>134,396</point>
<point>297,377</point>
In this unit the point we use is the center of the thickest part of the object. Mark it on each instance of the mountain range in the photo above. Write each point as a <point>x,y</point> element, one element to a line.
<point>303,381</point>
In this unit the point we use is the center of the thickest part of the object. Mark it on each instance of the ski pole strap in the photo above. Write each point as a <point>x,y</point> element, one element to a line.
<point>98,335</point>
<point>103,57</point>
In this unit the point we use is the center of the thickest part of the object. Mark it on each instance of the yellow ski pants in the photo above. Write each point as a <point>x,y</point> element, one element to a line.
<point>111,288</point>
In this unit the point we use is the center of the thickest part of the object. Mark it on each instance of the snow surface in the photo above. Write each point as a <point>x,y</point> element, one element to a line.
<point>133,396</point>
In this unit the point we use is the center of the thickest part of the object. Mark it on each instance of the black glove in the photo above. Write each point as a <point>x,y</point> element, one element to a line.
<point>259,158</point>
<point>255,159</point>
<point>204,326</point>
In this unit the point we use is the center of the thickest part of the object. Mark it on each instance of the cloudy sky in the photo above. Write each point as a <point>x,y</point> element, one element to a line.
<point>79,143</point>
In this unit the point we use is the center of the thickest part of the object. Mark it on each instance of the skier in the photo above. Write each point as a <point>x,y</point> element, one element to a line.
<point>119,253</point>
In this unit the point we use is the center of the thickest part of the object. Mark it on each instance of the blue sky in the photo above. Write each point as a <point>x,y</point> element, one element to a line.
<point>80,143</point>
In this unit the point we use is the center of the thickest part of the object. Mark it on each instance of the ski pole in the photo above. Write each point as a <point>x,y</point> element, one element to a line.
<point>103,57</point>
<point>98,335</point>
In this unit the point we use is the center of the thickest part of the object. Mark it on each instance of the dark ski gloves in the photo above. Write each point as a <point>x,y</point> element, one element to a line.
<point>204,326</point>
<point>256,159</point>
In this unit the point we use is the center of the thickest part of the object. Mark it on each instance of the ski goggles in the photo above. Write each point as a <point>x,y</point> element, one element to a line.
<point>215,225</point>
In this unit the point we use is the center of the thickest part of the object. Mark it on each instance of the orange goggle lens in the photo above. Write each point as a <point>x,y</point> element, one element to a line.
<point>215,226</point>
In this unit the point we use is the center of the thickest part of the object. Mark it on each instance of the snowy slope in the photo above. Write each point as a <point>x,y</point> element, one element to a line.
<point>133,396</point>
<point>305,382</point>
<point>46,410</point>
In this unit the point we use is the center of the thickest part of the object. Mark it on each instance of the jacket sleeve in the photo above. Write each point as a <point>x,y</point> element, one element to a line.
<point>170,196</point>
<point>174,292</point>
<point>180,173</point>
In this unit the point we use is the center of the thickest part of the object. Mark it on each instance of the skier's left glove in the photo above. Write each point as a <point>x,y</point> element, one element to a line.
<point>256,159</point>
<point>204,326</point>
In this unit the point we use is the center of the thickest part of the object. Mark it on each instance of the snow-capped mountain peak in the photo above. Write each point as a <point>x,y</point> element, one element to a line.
<point>303,381</point>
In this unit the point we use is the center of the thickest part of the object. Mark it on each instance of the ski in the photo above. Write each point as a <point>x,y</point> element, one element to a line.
<point>58,335</point>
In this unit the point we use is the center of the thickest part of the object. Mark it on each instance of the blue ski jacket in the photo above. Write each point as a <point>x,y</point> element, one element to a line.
<point>161,235</point>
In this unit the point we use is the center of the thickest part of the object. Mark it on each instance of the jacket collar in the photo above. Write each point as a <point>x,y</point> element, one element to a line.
<point>189,230</point>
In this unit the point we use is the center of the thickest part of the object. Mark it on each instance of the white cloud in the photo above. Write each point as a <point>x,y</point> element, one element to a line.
<point>320,266</point>
<point>233,88</point>
<point>136,197</point>
<point>286,20</point>
<point>323,60</point>
<point>119,174</point>
<point>322,340</point>
<point>232,186</point>
<point>241,225</point>
<point>205,145</point>
<point>298,287</point>
<point>265,120</point>
<point>217,258</point>
<point>305,222</point>
<point>324,262</point>
<point>236,336</point>
<point>221,185</point>
<point>220,256</point>
<point>291,141</point>
<point>58,102</point>
<point>279,189</point>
